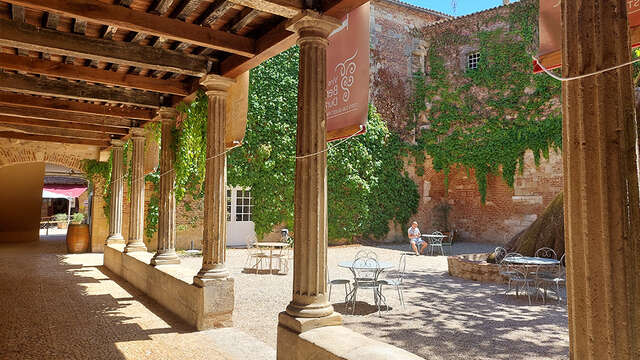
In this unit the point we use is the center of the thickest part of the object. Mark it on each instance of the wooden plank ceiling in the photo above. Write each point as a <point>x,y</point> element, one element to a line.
<point>86,71</point>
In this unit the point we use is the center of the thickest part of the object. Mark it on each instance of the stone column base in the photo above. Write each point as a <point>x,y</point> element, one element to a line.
<point>135,246</point>
<point>324,338</point>
<point>167,258</point>
<point>114,239</point>
<point>217,304</point>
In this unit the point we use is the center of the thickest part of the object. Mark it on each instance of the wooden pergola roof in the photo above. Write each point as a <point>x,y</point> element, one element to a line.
<point>85,71</point>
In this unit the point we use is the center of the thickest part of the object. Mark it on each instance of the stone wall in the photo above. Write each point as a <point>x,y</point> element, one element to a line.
<point>395,55</point>
<point>391,65</point>
<point>474,267</point>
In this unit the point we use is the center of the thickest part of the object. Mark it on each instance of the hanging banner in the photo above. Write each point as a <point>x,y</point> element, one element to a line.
<point>550,23</point>
<point>348,76</point>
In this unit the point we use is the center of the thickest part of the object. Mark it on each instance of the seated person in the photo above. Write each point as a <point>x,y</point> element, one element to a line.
<point>415,238</point>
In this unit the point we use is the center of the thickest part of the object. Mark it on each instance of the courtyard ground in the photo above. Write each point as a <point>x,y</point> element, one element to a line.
<point>445,317</point>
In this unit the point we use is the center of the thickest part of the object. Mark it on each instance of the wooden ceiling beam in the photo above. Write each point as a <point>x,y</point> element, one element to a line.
<point>67,71</point>
<point>215,12</point>
<point>244,21</point>
<point>76,107</point>
<point>80,91</point>
<point>30,121</point>
<point>59,115</point>
<point>279,38</point>
<point>37,130</point>
<point>268,45</point>
<point>29,37</point>
<point>102,13</point>
<point>55,139</point>
<point>284,8</point>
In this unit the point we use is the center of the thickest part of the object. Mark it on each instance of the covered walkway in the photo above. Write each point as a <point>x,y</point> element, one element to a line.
<point>59,306</point>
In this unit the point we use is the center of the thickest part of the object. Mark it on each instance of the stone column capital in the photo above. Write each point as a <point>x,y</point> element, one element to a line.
<point>167,114</point>
<point>138,132</point>
<point>117,143</point>
<point>216,84</point>
<point>313,26</point>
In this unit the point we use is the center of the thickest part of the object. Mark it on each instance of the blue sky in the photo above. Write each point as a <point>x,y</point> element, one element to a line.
<point>463,7</point>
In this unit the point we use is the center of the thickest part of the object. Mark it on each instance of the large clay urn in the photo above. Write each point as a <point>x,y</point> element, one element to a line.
<point>78,238</point>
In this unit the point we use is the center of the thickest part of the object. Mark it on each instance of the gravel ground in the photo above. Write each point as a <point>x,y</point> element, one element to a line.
<point>445,317</point>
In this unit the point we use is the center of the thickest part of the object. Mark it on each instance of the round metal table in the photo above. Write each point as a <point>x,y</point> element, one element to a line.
<point>376,268</point>
<point>531,260</point>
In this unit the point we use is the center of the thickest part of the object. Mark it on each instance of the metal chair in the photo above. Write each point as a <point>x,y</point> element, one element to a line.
<point>448,241</point>
<point>504,268</point>
<point>345,282</point>
<point>499,254</point>
<point>397,280</point>
<point>366,278</point>
<point>253,254</point>
<point>547,253</point>
<point>283,259</point>
<point>436,242</point>
<point>556,277</point>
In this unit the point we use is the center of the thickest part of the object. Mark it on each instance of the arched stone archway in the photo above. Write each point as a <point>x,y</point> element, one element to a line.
<point>10,155</point>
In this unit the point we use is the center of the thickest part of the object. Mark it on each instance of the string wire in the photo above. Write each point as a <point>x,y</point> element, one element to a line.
<point>559,78</point>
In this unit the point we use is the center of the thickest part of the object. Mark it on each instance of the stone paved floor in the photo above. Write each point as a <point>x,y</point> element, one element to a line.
<point>57,306</point>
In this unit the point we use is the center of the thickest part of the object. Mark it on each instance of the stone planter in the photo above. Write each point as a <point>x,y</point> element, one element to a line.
<point>474,267</point>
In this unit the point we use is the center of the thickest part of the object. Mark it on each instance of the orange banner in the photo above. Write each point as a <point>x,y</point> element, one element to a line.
<point>550,22</point>
<point>348,76</point>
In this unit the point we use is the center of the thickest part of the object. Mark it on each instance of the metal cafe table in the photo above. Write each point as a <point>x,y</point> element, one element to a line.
<point>271,246</point>
<point>531,260</point>
<point>374,267</point>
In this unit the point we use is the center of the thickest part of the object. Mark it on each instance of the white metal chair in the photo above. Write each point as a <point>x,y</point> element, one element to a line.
<point>547,253</point>
<point>366,277</point>
<point>397,280</point>
<point>254,256</point>
<point>345,282</point>
<point>283,259</point>
<point>436,242</point>
<point>556,277</point>
<point>448,241</point>
<point>504,267</point>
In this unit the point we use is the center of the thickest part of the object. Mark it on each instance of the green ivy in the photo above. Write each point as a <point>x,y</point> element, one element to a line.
<point>96,171</point>
<point>516,113</point>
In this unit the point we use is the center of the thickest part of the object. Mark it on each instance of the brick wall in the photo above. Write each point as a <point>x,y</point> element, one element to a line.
<point>396,54</point>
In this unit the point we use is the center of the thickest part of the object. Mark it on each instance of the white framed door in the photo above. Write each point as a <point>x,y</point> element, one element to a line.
<point>239,224</point>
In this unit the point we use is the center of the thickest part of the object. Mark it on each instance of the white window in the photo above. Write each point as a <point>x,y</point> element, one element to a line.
<point>239,204</point>
<point>472,60</point>
<point>243,205</point>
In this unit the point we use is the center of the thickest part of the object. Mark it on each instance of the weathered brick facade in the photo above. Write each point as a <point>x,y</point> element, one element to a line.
<point>396,54</point>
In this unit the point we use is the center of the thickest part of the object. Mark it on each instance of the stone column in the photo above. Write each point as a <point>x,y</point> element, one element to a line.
<point>115,213</point>
<point>166,253</point>
<point>310,307</point>
<point>214,236</point>
<point>601,207</point>
<point>135,242</point>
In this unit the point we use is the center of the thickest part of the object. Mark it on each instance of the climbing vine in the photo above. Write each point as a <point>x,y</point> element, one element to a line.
<point>100,172</point>
<point>485,119</point>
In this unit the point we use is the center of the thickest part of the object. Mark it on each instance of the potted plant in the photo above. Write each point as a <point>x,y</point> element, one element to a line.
<point>77,218</point>
<point>78,235</point>
<point>61,220</point>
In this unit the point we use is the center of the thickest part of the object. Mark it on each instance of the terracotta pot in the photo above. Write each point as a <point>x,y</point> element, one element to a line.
<point>62,225</point>
<point>78,238</point>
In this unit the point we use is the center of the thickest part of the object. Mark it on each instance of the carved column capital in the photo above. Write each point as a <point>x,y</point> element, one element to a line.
<point>216,85</point>
<point>313,26</point>
<point>167,114</point>
<point>117,143</point>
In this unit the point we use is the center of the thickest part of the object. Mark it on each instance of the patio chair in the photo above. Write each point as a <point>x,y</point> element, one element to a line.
<point>520,276</point>
<point>283,257</point>
<point>436,242</point>
<point>397,280</point>
<point>366,279</point>
<point>448,241</point>
<point>557,277</point>
<point>345,282</point>
<point>254,255</point>
<point>547,253</point>
<point>504,268</point>
<point>499,254</point>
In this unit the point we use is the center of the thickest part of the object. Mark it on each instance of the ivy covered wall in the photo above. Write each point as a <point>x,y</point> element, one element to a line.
<point>486,141</point>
